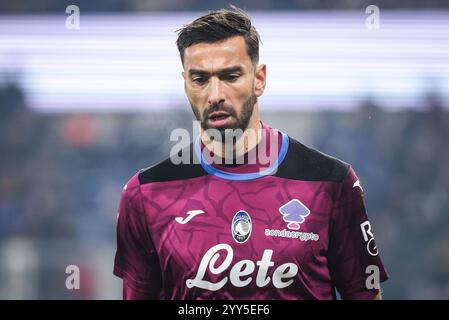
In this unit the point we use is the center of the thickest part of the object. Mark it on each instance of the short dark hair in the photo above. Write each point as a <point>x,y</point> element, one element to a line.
<point>217,26</point>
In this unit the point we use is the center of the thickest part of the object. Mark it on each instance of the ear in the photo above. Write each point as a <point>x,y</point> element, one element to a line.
<point>260,80</point>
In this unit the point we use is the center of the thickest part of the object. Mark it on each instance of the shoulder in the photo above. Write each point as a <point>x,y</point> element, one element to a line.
<point>305,163</point>
<point>172,168</point>
<point>131,188</point>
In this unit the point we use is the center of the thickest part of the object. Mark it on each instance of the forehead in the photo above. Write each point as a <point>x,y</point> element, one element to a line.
<point>217,55</point>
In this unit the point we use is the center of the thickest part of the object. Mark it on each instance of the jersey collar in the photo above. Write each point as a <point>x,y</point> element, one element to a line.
<point>243,176</point>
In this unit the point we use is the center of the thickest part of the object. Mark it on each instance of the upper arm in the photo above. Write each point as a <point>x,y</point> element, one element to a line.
<point>354,260</point>
<point>136,260</point>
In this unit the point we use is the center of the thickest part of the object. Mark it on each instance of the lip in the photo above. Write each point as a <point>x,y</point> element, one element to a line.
<point>218,114</point>
<point>219,118</point>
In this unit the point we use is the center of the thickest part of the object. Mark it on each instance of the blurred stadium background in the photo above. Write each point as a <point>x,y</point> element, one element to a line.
<point>82,110</point>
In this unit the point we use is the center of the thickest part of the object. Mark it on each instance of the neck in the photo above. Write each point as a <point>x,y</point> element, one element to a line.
<point>242,144</point>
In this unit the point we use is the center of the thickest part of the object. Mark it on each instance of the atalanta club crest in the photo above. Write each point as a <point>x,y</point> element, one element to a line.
<point>241,226</point>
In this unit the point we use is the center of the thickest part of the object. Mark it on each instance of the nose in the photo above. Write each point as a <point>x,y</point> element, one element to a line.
<point>216,94</point>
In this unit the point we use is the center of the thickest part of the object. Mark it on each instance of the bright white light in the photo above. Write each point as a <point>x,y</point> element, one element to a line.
<point>315,60</point>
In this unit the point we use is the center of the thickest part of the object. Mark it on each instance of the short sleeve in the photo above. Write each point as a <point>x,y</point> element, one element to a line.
<point>354,260</point>
<point>136,260</point>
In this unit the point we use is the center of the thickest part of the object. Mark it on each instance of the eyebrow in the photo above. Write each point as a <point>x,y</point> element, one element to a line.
<point>219,72</point>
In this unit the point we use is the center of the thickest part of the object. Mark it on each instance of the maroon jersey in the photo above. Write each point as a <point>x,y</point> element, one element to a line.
<point>295,229</point>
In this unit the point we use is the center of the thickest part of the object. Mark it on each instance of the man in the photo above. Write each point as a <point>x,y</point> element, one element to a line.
<point>292,227</point>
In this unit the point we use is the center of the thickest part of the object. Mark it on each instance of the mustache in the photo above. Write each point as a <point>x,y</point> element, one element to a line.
<point>219,107</point>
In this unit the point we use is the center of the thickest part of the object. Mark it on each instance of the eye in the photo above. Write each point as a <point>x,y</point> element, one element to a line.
<point>231,77</point>
<point>199,80</point>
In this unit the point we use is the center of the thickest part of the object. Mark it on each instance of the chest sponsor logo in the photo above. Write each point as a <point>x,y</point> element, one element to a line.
<point>242,272</point>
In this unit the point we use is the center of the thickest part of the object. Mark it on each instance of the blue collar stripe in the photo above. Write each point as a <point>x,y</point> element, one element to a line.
<point>243,176</point>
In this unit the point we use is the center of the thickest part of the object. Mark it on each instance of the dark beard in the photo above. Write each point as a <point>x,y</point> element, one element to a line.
<point>242,120</point>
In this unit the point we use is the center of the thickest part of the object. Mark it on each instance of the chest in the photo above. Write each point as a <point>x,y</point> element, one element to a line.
<point>291,218</point>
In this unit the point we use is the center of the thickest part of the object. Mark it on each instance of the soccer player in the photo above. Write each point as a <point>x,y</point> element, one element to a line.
<point>293,227</point>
